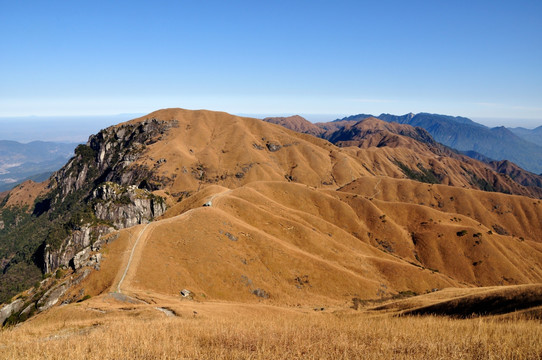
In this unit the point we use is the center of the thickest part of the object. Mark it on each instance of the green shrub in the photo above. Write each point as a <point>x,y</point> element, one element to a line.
<point>86,297</point>
<point>59,274</point>
<point>86,152</point>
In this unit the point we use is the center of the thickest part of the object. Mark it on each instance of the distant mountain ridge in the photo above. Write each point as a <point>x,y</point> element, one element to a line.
<point>465,135</point>
<point>35,160</point>
<point>457,168</point>
<point>534,135</point>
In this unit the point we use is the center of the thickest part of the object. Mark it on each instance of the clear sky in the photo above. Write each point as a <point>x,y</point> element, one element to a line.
<point>480,59</point>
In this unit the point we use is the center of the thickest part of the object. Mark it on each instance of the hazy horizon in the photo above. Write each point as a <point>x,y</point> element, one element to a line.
<point>77,128</point>
<point>475,59</point>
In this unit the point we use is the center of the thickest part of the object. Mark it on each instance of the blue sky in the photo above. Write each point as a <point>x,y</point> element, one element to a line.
<point>480,59</point>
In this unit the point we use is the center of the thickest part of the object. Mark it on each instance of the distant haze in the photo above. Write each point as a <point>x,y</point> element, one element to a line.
<point>492,122</point>
<point>489,122</point>
<point>79,128</point>
<point>57,128</point>
<point>314,118</point>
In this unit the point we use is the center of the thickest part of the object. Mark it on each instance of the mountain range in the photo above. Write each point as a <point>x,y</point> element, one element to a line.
<point>518,145</point>
<point>350,132</point>
<point>230,209</point>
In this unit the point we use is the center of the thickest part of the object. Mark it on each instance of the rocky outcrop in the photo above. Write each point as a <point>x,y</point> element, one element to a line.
<point>47,294</point>
<point>86,258</point>
<point>10,309</point>
<point>125,206</point>
<point>81,258</point>
<point>108,156</point>
<point>107,189</point>
<point>113,204</point>
<point>51,297</point>
<point>79,240</point>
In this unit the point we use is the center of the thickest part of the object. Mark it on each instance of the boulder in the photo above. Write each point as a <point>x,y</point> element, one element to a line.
<point>51,297</point>
<point>273,147</point>
<point>10,309</point>
<point>80,259</point>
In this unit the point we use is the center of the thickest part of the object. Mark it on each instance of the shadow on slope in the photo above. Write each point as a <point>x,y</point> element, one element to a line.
<point>520,300</point>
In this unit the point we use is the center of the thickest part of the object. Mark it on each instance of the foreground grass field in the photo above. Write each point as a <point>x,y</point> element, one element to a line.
<point>225,331</point>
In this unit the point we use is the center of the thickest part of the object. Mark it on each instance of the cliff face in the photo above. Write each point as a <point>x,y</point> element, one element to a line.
<point>98,191</point>
<point>108,156</point>
<point>79,240</point>
<point>126,206</point>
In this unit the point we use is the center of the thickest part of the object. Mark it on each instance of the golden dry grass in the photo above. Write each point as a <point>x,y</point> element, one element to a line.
<point>25,193</point>
<point>261,333</point>
<point>305,246</point>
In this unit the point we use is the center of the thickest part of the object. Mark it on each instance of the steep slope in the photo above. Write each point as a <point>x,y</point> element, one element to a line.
<point>242,203</point>
<point>25,194</point>
<point>42,230</point>
<point>173,153</point>
<point>515,172</point>
<point>372,132</point>
<point>207,147</point>
<point>361,134</point>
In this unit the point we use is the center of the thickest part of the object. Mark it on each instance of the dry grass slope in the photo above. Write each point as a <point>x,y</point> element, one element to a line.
<point>295,224</point>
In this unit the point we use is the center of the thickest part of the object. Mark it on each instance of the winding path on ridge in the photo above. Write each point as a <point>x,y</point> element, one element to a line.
<point>130,259</point>
<point>375,190</point>
<point>137,247</point>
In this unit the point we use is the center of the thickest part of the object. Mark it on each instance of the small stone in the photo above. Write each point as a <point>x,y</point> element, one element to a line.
<point>231,236</point>
<point>273,147</point>
<point>260,293</point>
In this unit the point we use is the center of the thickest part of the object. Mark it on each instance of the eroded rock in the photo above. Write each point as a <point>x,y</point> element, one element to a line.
<point>81,258</point>
<point>273,147</point>
<point>51,297</point>
<point>76,242</point>
<point>126,206</point>
<point>10,309</point>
